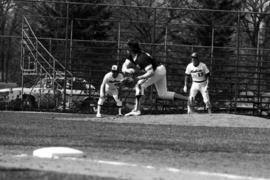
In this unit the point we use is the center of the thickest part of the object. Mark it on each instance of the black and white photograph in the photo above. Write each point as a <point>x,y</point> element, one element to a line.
<point>135,90</point>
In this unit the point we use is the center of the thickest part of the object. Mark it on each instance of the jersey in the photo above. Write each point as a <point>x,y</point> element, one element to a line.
<point>111,82</point>
<point>143,60</point>
<point>198,73</point>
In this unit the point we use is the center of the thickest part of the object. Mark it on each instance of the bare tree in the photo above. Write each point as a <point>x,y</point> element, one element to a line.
<point>147,21</point>
<point>253,21</point>
<point>9,19</point>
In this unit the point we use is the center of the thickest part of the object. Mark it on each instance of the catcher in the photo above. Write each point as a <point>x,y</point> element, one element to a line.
<point>200,80</point>
<point>154,73</point>
<point>110,86</point>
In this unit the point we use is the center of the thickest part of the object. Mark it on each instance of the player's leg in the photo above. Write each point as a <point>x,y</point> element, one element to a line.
<point>192,94</point>
<point>206,99</point>
<point>161,86</point>
<point>137,108</point>
<point>162,90</point>
<point>140,88</point>
<point>118,102</point>
<point>139,92</point>
<point>101,101</point>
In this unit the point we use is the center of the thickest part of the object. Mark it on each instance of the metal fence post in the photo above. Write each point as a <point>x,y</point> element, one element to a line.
<point>66,48</point>
<point>212,49</point>
<point>258,71</point>
<point>118,43</point>
<point>236,83</point>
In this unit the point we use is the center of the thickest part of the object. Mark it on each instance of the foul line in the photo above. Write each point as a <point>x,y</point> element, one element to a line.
<point>168,169</point>
<point>175,170</point>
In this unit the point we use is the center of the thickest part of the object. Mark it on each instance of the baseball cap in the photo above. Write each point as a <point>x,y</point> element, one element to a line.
<point>194,55</point>
<point>114,68</point>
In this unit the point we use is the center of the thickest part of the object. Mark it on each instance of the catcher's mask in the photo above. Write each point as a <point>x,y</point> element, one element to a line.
<point>133,46</point>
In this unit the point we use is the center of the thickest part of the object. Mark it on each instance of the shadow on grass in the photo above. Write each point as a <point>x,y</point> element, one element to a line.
<point>30,174</point>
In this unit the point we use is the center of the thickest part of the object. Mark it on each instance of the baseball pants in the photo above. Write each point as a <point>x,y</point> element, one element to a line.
<point>202,88</point>
<point>111,92</point>
<point>159,80</point>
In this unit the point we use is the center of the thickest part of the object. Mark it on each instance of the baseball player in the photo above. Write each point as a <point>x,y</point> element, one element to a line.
<point>154,73</point>
<point>110,86</point>
<point>200,80</point>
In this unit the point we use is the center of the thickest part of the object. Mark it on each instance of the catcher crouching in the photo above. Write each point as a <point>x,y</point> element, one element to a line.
<point>110,86</point>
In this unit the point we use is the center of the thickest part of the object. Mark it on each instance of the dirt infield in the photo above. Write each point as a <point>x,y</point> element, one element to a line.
<point>200,146</point>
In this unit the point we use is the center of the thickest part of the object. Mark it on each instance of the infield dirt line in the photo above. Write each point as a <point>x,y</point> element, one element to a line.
<point>214,120</point>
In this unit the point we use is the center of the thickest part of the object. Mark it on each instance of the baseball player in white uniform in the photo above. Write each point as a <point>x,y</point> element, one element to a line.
<point>200,80</point>
<point>110,86</point>
<point>154,73</point>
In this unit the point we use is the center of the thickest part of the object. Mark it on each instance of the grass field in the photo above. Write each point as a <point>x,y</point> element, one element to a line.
<point>224,144</point>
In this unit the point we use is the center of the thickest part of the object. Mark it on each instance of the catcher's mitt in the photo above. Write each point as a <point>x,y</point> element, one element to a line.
<point>129,82</point>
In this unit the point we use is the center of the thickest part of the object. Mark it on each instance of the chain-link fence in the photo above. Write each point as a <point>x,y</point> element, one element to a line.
<point>87,38</point>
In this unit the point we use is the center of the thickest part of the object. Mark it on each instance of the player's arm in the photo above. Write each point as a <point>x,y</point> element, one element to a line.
<point>126,69</point>
<point>102,86</point>
<point>121,79</point>
<point>187,76</point>
<point>149,71</point>
<point>119,85</point>
<point>186,79</point>
<point>207,75</point>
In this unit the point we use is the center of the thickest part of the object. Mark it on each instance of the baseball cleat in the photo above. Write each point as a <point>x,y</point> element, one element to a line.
<point>190,110</point>
<point>133,113</point>
<point>98,116</point>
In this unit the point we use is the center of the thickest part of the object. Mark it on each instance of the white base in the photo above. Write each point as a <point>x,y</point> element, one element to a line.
<point>57,152</point>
